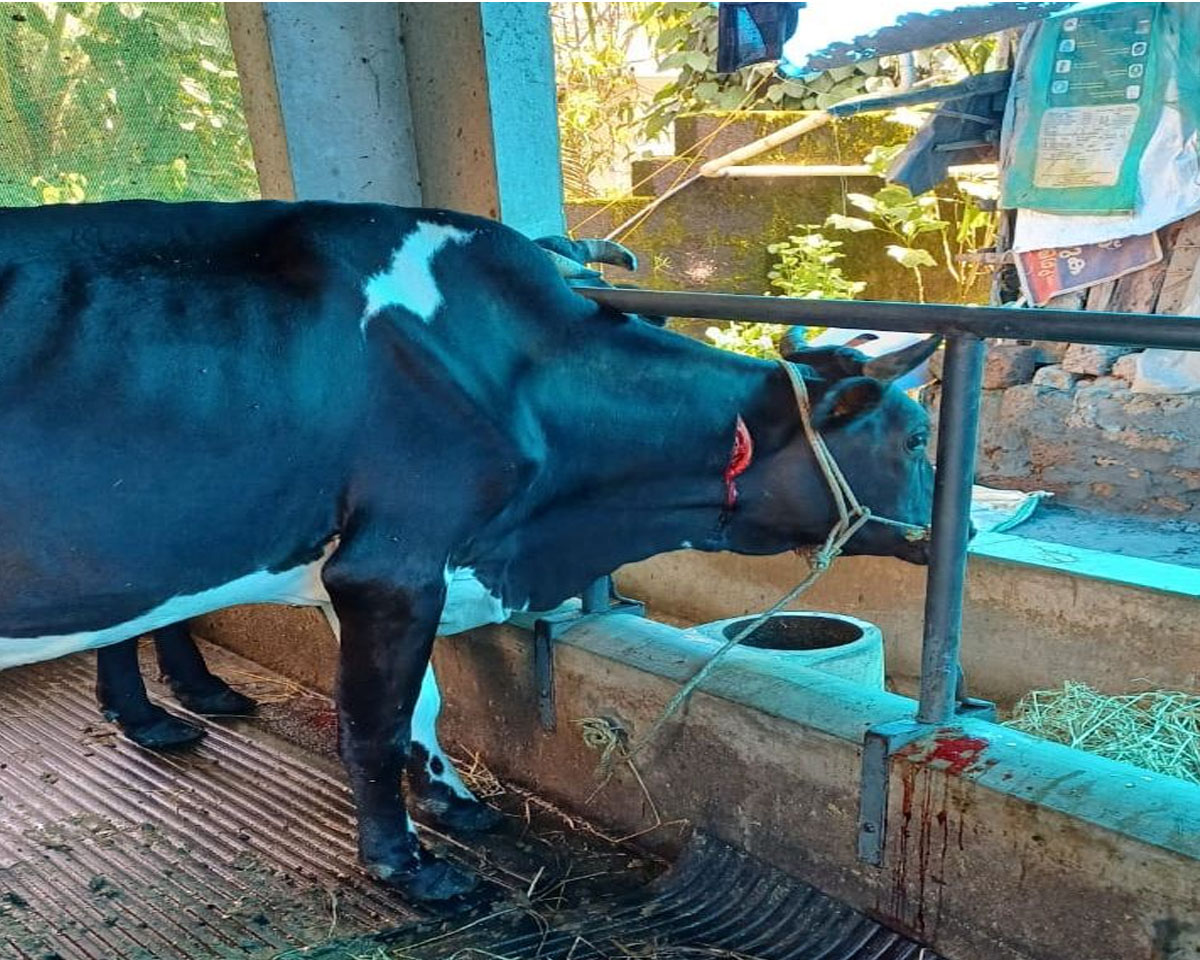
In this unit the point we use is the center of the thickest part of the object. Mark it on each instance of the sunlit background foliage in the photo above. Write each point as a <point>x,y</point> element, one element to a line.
<point>112,100</point>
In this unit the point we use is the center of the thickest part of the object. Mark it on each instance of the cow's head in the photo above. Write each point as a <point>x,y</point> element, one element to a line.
<point>877,434</point>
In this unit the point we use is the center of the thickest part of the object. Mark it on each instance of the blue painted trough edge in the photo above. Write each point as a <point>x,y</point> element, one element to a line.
<point>1145,806</point>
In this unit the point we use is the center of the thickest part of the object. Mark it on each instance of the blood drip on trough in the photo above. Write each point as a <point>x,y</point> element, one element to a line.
<point>920,860</point>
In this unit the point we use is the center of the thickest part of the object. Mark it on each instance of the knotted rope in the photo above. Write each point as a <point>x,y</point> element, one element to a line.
<point>852,515</point>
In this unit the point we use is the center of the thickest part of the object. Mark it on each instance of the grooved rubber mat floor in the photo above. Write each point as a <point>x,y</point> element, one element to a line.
<point>110,852</point>
<point>237,849</point>
<point>717,903</point>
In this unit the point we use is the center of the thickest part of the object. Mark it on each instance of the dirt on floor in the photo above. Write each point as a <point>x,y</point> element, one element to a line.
<point>231,849</point>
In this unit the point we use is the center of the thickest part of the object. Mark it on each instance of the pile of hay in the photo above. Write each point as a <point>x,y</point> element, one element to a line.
<point>1157,730</point>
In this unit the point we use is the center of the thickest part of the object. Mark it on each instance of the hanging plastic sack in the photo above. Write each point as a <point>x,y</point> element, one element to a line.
<point>1086,99</point>
<point>752,32</point>
<point>1169,171</point>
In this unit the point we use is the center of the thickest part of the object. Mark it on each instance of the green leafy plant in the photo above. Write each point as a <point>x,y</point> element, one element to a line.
<point>905,219</point>
<point>975,229</point>
<point>806,265</point>
<point>752,339</point>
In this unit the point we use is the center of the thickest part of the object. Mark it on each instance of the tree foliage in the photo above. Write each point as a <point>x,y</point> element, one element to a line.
<point>685,38</point>
<point>599,103</point>
<point>103,101</point>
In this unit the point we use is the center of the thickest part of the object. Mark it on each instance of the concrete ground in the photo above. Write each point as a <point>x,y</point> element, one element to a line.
<point>1151,538</point>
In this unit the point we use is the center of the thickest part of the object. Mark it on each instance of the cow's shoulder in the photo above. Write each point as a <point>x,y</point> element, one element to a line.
<point>382,231</point>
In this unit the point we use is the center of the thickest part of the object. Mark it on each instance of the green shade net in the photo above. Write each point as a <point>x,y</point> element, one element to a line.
<point>110,101</point>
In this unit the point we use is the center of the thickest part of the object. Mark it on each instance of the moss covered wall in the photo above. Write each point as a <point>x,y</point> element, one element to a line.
<point>713,235</point>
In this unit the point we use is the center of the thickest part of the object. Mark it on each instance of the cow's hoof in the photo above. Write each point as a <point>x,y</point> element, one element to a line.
<point>433,881</point>
<point>458,814</point>
<point>162,731</point>
<point>219,701</point>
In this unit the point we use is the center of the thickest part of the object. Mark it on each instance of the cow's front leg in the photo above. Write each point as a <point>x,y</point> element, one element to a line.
<point>121,693</point>
<point>194,685</point>
<point>438,790</point>
<point>386,638</point>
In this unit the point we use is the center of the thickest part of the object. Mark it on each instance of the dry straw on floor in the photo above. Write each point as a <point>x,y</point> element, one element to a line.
<point>1158,730</point>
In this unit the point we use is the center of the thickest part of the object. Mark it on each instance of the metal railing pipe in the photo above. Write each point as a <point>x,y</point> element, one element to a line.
<point>1065,326</point>
<point>958,426</point>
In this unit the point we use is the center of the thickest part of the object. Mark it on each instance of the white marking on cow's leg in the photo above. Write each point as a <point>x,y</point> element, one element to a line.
<point>408,281</point>
<point>331,618</point>
<point>424,723</point>
<point>424,734</point>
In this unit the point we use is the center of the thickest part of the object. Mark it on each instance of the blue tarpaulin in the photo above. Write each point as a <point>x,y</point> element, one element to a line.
<point>753,32</point>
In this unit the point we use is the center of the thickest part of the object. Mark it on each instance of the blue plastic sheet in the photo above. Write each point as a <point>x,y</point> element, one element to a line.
<point>835,33</point>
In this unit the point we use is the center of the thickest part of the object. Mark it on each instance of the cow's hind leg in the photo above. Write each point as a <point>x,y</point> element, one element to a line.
<point>437,788</point>
<point>386,637</point>
<point>189,678</point>
<point>122,697</point>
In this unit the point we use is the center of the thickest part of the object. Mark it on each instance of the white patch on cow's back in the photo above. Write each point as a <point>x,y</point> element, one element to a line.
<point>300,586</point>
<point>408,281</point>
<point>469,604</point>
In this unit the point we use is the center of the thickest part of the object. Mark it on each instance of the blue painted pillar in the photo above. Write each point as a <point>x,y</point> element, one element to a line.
<point>435,104</point>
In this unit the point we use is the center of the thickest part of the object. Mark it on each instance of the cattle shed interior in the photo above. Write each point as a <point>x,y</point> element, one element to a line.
<point>758,823</point>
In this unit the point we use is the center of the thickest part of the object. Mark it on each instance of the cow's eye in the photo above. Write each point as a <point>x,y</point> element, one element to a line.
<point>917,441</point>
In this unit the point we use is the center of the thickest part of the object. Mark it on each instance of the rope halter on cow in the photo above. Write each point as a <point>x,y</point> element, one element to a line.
<point>852,516</point>
<point>851,513</point>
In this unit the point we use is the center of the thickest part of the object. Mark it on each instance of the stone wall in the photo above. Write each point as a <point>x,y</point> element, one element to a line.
<point>1077,428</point>
<point>1082,421</point>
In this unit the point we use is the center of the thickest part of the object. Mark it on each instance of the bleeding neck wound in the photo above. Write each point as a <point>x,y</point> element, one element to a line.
<point>740,457</point>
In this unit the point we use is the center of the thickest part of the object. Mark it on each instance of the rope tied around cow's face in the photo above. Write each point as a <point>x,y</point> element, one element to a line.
<point>852,516</point>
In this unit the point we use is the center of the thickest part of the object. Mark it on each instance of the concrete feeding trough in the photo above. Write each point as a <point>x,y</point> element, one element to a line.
<point>830,642</point>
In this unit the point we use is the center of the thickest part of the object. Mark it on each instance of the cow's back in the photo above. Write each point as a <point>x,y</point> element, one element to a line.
<point>176,385</point>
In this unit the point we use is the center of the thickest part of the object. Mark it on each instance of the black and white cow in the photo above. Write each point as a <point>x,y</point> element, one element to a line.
<point>121,691</point>
<point>406,417</point>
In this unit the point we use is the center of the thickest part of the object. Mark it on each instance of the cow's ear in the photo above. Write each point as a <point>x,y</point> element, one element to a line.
<point>833,363</point>
<point>847,400</point>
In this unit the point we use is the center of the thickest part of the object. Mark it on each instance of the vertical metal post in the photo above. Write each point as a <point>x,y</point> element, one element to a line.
<point>595,597</point>
<point>598,599</point>
<point>543,671</point>
<point>958,425</point>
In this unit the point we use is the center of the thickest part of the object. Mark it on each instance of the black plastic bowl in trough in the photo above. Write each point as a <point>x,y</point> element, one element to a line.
<point>796,633</point>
